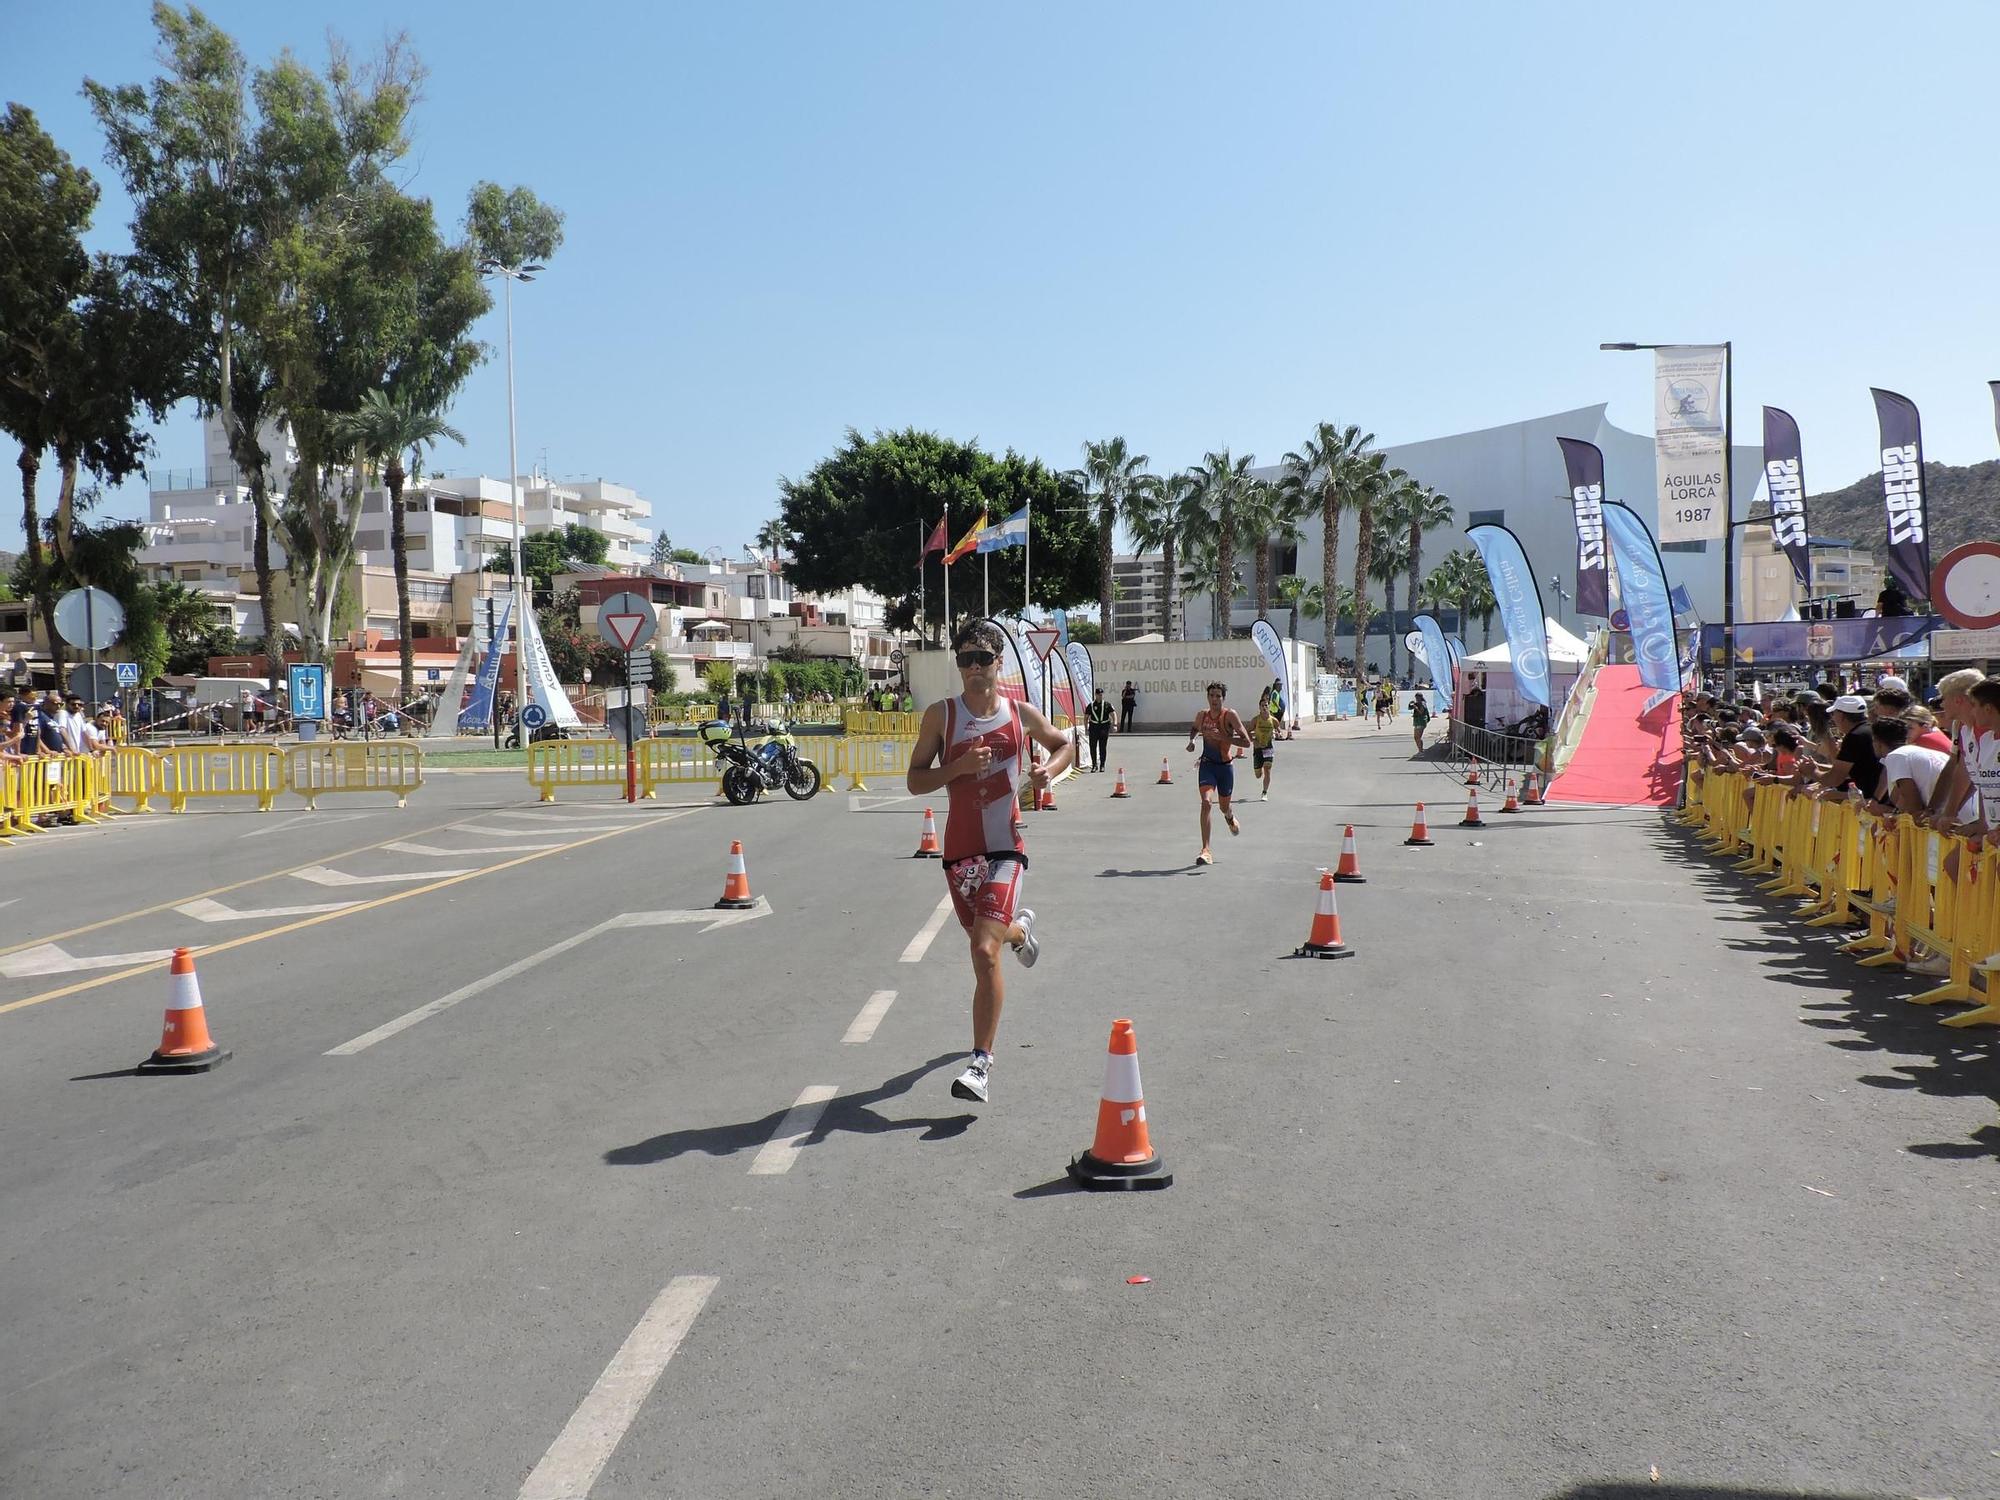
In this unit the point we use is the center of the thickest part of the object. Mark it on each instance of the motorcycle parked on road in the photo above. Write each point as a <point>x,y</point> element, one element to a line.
<point>772,764</point>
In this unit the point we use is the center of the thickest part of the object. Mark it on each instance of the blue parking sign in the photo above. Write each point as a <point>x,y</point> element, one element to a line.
<point>306,685</point>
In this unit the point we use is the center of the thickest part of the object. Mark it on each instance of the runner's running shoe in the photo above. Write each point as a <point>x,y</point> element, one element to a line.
<point>975,1082</point>
<point>1027,950</point>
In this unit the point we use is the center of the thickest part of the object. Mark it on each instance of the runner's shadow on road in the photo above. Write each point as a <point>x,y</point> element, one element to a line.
<point>1187,869</point>
<point>844,1112</point>
<point>1645,1490</point>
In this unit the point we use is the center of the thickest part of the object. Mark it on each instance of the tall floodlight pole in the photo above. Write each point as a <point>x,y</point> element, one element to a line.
<point>509,275</point>
<point>1729,521</point>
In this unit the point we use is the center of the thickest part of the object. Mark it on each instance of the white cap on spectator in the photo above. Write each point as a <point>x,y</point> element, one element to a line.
<point>1892,682</point>
<point>1851,704</point>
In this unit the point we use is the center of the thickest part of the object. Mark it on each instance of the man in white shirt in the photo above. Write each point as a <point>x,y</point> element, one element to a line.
<point>1960,780</point>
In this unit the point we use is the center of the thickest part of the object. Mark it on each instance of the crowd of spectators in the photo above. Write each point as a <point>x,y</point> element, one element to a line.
<point>1881,750</point>
<point>50,726</point>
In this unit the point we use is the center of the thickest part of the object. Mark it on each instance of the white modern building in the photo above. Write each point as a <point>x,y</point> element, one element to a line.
<point>1514,476</point>
<point>203,526</point>
<point>1138,596</point>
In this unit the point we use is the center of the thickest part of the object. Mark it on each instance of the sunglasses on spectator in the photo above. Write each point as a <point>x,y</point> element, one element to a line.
<point>977,658</point>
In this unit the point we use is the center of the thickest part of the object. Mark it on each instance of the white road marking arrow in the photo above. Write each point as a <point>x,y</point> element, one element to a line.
<point>517,833</point>
<point>321,875</point>
<point>49,959</point>
<point>520,966</point>
<point>434,850</point>
<point>204,910</point>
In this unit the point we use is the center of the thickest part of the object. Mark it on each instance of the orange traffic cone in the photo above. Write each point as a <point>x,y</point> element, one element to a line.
<point>1166,774</point>
<point>1120,1158</point>
<point>1472,776</point>
<point>1472,818</point>
<point>1325,940</point>
<point>1531,794</point>
<point>927,846</point>
<point>185,1045</point>
<point>736,884</point>
<point>1119,790</point>
<point>1512,804</point>
<point>1420,832</point>
<point>1048,799</point>
<point>1349,871</point>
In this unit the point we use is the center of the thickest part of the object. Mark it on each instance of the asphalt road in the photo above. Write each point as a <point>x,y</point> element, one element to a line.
<point>530,1180</point>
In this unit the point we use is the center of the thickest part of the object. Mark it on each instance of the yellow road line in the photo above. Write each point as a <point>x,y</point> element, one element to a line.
<point>332,916</point>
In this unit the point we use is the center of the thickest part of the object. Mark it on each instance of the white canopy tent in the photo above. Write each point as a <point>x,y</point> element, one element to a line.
<point>1495,665</point>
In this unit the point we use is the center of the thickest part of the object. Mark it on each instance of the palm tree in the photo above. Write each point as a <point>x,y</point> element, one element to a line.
<point>1110,475</point>
<point>1424,509</point>
<point>1441,587</point>
<point>1370,481</point>
<point>385,428</point>
<point>1267,514</point>
<point>1157,512</point>
<point>1461,577</point>
<point>1392,551</point>
<point>772,537</point>
<point>1315,472</point>
<point>1220,481</point>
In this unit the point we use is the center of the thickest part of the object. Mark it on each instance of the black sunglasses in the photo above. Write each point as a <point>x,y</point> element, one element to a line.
<point>977,658</point>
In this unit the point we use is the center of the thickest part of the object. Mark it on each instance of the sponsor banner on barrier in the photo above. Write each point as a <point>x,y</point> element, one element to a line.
<point>1642,589</point>
<point>1584,463</point>
<point>1520,608</point>
<point>1784,643</point>
<point>1688,406</point>
<point>1785,486</point>
<point>1903,491</point>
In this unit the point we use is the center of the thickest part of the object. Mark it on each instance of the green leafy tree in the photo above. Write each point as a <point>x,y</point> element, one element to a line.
<point>1267,515</point>
<point>80,352</point>
<point>214,184</point>
<point>546,553</point>
<point>719,677</point>
<point>663,550</point>
<point>385,429</point>
<point>686,555</point>
<point>854,518</point>
<point>1110,477</point>
<point>512,228</point>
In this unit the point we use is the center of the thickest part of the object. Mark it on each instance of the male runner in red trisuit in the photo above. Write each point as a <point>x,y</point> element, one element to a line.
<point>977,746</point>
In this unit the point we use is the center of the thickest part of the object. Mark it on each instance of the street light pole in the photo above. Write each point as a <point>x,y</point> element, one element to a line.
<point>515,576</point>
<point>1728,502</point>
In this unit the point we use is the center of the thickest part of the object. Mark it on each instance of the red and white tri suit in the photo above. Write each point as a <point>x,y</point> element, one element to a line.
<point>985,859</point>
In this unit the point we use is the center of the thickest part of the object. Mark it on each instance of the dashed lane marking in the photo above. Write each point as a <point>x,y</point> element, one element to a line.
<point>777,1154</point>
<point>204,910</point>
<point>578,1455</point>
<point>441,881</point>
<point>920,944</point>
<point>28,963</point>
<point>321,875</point>
<point>864,1024</point>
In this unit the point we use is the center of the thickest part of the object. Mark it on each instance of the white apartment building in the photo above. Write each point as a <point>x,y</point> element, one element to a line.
<point>203,525</point>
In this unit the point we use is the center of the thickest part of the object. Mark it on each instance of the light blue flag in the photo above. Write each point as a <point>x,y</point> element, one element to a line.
<point>1642,587</point>
<point>1520,602</point>
<point>1437,655</point>
<point>1012,532</point>
<point>479,707</point>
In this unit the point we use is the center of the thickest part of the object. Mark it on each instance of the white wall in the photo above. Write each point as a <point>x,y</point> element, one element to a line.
<point>1172,677</point>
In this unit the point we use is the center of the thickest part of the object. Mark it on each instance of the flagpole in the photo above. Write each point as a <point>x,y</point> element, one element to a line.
<point>922,597</point>
<point>1027,557</point>
<point>947,597</point>
<point>986,593</point>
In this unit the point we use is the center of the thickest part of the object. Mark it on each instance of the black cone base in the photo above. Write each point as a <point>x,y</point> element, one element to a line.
<point>926,854</point>
<point>1423,842</point>
<point>725,904</point>
<point>1095,1176</point>
<point>1471,822</point>
<point>1323,950</point>
<point>193,1062</point>
<point>1350,880</point>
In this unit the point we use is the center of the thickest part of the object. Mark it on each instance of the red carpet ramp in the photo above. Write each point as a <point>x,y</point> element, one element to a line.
<point>1625,757</point>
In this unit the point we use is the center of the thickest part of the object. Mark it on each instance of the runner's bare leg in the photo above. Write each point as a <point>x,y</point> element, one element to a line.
<point>989,989</point>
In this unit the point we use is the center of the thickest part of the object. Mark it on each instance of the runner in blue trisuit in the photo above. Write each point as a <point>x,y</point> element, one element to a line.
<point>1223,738</point>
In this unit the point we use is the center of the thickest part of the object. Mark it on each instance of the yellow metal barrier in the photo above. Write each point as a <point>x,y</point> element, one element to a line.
<point>204,771</point>
<point>668,762</point>
<point>861,756</point>
<point>136,773</point>
<point>575,763</point>
<point>1920,889</point>
<point>11,791</point>
<point>393,766</point>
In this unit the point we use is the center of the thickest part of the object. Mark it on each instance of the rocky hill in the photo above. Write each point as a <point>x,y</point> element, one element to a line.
<point>1964,504</point>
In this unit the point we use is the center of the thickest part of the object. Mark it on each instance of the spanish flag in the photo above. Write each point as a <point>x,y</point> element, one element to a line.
<point>967,542</point>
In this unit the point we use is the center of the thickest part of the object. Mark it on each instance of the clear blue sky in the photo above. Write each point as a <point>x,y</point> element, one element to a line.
<point>1193,224</point>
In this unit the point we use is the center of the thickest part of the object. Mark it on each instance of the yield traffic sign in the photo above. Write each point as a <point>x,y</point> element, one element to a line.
<point>627,621</point>
<point>1043,639</point>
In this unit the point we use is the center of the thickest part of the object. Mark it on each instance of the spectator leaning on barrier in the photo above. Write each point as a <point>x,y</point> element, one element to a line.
<point>1958,784</point>
<point>1855,765</point>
